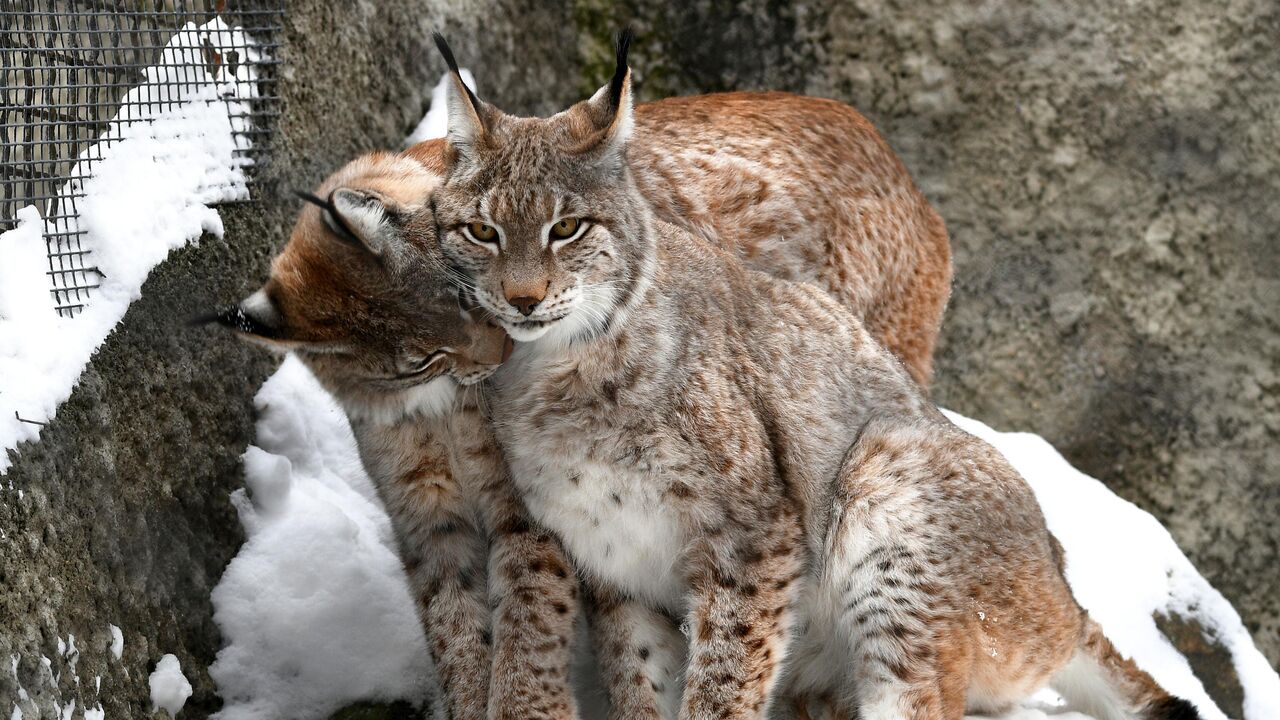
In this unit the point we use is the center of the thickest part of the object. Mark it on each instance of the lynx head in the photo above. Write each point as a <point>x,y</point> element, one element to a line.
<point>361,294</point>
<point>542,213</point>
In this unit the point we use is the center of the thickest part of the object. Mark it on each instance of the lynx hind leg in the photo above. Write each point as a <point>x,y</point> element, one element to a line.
<point>953,589</point>
<point>911,661</point>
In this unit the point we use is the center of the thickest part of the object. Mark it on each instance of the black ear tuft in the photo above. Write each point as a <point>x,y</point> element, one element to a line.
<point>237,319</point>
<point>622,47</point>
<point>443,46</point>
<point>313,199</point>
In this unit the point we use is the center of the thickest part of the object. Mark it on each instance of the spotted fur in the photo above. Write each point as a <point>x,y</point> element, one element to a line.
<point>737,451</point>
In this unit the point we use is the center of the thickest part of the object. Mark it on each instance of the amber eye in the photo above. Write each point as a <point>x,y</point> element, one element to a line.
<point>482,232</point>
<point>565,228</point>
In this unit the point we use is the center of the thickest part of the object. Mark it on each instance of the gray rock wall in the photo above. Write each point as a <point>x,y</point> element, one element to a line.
<point>1108,172</point>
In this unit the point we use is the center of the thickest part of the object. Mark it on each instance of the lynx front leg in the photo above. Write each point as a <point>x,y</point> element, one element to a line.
<point>741,622</point>
<point>446,568</point>
<point>534,591</point>
<point>640,652</point>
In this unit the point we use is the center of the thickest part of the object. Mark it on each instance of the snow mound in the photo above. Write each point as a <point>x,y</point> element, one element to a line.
<point>176,152</point>
<point>315,609</point>
<point>169,687</point>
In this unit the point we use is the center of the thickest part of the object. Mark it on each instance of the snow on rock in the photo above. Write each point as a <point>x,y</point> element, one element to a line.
<point>24,268</point>
<point>175,153</point>
<point>1124,567</point>
<point>169,687</point>
<point>117,641</point>
<point>315,609</point>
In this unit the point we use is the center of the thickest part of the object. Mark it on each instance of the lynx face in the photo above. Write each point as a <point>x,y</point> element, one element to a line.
<point>361,294</point>
<point>541,213</point>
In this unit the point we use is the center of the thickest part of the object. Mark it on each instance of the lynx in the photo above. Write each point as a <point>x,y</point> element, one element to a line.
<point>722,166</point>
<point>735,451</point>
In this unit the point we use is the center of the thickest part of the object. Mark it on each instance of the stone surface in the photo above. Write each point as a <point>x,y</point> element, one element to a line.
<point>1107,170</point>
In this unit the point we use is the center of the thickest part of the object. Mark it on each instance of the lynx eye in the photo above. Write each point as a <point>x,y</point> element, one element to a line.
<point>565,228</point>
<point>482,233</point>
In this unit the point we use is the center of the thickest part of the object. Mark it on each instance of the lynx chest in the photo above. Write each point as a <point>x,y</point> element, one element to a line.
<point>600,476</point>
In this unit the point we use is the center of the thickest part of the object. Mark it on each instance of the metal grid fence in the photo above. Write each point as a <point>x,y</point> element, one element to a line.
<point>65,68</point>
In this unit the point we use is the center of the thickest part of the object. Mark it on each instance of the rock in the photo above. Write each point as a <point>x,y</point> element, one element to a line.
<point>380,711</point>
<point>1209,660</point>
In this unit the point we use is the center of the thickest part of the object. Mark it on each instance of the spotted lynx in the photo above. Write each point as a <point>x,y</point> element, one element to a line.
<point>735,451</point>
<point>373,330</point>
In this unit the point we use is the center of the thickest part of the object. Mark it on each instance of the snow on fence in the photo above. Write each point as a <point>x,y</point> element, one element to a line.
<point>120,122</point>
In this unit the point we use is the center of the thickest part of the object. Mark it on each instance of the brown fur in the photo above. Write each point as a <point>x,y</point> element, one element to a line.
<point>803,189</point>
<point>495,594</point>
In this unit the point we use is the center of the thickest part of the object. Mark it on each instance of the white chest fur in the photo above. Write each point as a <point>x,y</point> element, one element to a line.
<point>613,523</point>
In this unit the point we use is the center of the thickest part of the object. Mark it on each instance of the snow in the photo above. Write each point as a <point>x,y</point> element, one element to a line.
<point>169,687</point>
<point>175,154</point>
<point>24,264</point>
<point>117,641</point>
<point>315,609</point>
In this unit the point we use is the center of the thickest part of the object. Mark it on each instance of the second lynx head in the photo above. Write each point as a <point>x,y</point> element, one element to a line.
<point>542,212</point>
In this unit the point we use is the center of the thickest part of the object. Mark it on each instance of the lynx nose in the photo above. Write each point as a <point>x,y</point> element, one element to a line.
<point>525,296</point>
<point>524,304</point>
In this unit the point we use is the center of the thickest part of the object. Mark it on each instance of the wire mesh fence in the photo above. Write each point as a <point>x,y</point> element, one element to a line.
<point>67,69</point>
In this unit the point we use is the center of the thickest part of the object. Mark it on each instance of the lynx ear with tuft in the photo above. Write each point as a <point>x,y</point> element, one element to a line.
<point>610,107</point>
<point>361,218</point>
<point>467,112</point>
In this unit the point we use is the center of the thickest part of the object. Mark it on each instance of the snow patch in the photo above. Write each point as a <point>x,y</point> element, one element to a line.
<point>176,152</point>
<point>315,609</point>
<point>117,641</point>
<point>169,687</point>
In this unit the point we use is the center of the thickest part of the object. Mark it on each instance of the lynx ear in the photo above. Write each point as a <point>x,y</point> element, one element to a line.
<point>361,218</point>
<point>609,109</point>
<point>467,112</point>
